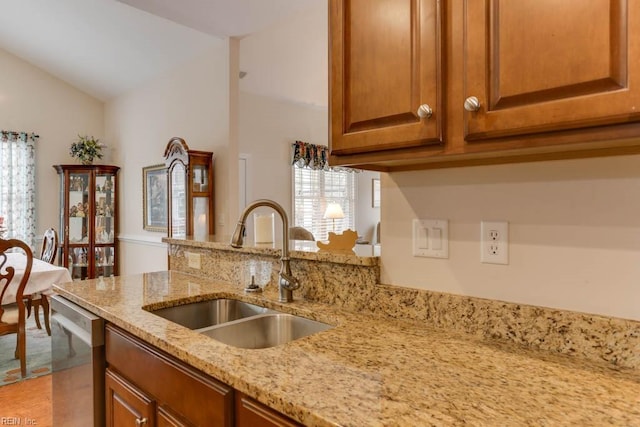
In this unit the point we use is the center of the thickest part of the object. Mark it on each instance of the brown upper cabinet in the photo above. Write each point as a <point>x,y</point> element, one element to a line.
<point>539,66</point>
<point>505,80</point>
<point>385,74</point>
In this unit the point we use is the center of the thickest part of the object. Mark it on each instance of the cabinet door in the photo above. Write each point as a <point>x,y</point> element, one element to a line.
<point>250,413</point>
<point>385,62</point>
<point>538,66</point>
<point>166,418</point>
<point>77,236</point>
<point>126,405</point>
<point>104,225</point>
<point>189,395</point>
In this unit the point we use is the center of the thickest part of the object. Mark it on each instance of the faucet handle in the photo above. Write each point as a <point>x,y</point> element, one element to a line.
<point>289,282</point>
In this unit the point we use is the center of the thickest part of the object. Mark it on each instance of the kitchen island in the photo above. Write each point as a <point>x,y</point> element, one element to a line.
<point>370,370</point>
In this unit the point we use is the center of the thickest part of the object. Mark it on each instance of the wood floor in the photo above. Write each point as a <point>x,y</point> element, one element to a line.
<point>27,402</point>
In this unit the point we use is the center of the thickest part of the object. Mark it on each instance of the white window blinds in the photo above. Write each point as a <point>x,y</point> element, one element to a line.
<point>313,190</point>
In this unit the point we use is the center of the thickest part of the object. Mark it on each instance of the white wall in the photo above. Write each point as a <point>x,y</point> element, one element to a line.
<point>32,100</point>
<point>267,128</point>
<point>574,228</point>
<point>289,60</point>
<point>191,102</point>
<point>283,98</point>
<point>367,216</point>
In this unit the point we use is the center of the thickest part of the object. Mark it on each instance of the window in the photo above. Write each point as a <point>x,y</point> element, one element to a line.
<point>17,185</point>
<point>313,190</point>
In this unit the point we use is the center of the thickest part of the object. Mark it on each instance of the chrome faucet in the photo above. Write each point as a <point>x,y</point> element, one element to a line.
<point>287,283</point>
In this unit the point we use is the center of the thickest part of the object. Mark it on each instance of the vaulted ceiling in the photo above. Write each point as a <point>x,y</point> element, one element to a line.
<point>107,47</point>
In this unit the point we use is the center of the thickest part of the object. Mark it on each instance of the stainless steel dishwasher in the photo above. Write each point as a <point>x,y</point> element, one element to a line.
<point>77,362</point>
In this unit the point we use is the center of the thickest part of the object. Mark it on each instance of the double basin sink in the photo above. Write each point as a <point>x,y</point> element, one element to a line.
<point>241,324</point>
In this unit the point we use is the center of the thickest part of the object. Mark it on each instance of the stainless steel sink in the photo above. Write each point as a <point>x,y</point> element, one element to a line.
<point>199,315</point>
<point>241,324</point>
<point>267,330</point>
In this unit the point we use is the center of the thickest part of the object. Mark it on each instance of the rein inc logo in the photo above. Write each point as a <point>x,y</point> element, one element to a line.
<point>17,421</point>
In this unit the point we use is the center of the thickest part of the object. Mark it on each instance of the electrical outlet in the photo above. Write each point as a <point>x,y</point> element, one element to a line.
<point>194,260</point>
<point>494,242</point>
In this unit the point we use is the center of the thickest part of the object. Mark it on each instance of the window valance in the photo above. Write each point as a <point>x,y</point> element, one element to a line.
<point>8,135</point>
<point>312,156</point>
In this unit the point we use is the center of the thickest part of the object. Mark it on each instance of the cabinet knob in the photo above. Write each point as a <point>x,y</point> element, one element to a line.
<point>472,104</point>
<point>424,111</point>
<point>141,421</point>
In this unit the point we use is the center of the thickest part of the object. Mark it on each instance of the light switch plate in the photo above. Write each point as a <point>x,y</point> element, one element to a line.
<point>431,238</point>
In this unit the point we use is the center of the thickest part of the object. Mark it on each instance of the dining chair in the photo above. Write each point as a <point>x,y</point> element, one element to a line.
<point>300,233</point>
<point>37,300</point>
<point>13,316</point>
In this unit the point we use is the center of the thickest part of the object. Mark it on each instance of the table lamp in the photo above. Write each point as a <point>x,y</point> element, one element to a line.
<point>333,212</point>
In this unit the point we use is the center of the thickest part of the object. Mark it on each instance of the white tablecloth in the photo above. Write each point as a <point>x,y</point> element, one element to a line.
<point>43,276</point>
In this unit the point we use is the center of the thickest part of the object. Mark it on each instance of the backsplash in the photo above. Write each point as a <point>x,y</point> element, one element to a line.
<point>352,283</point>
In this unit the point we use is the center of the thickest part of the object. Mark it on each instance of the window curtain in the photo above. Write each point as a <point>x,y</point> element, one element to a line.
<point>18,184</point>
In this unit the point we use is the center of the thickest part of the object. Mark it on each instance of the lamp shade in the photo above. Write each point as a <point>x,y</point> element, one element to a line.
<point>334,211</point>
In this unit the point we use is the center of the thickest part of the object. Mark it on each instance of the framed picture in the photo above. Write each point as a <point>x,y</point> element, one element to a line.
<point>154,198</point>
<point>375,193</point>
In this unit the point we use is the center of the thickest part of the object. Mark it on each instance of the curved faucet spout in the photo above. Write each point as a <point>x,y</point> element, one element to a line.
<point>286,283</point>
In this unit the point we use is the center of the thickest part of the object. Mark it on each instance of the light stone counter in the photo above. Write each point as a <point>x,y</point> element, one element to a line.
<point>363,255</point>
<point>369,370</point>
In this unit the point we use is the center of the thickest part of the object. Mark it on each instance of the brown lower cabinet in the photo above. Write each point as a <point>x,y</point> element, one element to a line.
<point>147,387</point>
<point>251,413</point>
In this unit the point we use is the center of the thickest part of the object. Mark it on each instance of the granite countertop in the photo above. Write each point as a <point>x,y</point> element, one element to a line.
<point>370,371</point>
<point>298,249</point>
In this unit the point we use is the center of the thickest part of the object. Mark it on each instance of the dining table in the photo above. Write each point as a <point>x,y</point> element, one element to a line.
<point>43,276</point>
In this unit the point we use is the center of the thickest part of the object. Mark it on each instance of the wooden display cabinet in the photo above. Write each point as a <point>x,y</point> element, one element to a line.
<point>88,244</point>
<point>190,184</point>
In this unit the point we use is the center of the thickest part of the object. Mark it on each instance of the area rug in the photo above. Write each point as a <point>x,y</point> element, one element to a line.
<point>38,354</point>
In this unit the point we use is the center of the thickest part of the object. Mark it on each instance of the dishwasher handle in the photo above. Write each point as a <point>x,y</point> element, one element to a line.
<point>82,323</point>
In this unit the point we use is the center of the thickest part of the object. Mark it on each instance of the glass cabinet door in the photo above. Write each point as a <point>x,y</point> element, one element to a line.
<point>200,181</point>
<point>178,201</point>
<point>201,216</point>
<point>104,226</point>
<point>78,231</point>
<point>104,197</point>
<point>200,190</point>
<point>78,208</point>
<point>104,257</point>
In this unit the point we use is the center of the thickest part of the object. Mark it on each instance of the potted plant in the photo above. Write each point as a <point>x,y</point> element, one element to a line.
<point>86,148</point>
